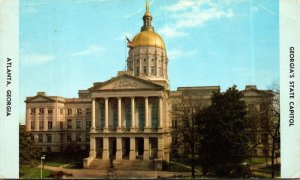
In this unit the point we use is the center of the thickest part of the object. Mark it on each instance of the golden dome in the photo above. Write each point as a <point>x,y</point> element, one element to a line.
<point>148,38</point>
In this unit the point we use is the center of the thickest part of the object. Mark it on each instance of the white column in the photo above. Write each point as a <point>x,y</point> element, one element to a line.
<point>105,153</point>
<point>132,149</point>
<point>132,113</point>
<point>160,109</point>
<point>146,155</point>
<point>106,113</point>
<point>160,147</point>
<point>146,113</point>
<point>119,148</point>
<point>119,112</point>
<point>28,119</point>
<point>93,113</point>
<point>92,147</point>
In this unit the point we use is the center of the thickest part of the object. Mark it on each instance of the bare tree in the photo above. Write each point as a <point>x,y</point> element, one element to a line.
<point>185,111</point>
<point>269,116</point>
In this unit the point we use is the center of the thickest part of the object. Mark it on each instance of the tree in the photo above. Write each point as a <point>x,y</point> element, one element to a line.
<point>185,114</point>
<point>269,115</point>
<point>28,153</point>
<point>224,142</point>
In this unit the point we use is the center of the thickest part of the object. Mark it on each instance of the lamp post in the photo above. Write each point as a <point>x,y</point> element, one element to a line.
<point>42,158</point>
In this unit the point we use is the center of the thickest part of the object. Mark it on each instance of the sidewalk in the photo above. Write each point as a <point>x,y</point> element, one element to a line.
<point>96,173</point>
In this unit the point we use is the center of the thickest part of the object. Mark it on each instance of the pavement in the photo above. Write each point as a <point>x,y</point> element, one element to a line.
<point>102,174</point>
<point>96,173</point>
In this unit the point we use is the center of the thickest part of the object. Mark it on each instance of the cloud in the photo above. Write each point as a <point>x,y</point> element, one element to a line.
<point>133,14</point>
<point>34,59</point>
<point>91,50</point>
<point>31,7</point>
<point>171,32</point>
<point>87,1</point>
<point>136,12</point>
<point>178,53</point>
<point>266,9</point>
<point>193,13</point>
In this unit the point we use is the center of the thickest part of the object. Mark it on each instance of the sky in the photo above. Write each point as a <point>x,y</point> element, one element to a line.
<point>67,45</point>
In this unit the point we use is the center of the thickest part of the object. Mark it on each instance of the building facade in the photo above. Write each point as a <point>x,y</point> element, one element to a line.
<point>127,117</point>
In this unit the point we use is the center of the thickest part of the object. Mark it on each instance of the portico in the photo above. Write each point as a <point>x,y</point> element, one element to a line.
<point>123,114</point>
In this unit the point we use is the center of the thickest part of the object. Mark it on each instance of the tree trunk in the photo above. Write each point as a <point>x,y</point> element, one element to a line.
<point>273,156</point>
<point>193,162</point>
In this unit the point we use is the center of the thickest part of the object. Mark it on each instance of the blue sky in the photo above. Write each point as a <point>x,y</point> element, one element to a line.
<point>67,45</point>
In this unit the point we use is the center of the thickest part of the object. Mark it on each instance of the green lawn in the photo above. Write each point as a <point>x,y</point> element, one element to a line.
<point>58,159</point>
<point>258,160</point>
<point>268,170</point>
<point>27,172</point>
<point>56,164</point>
<point>174,167</point>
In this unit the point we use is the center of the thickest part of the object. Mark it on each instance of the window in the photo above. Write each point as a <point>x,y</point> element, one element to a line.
<point>69,137</point>
<point>48,149</point>
<point>174,107</point>
<point>41,125</point>
<point>78,137</point>
<point>141,111</point>
<point>145,60</point>
<point>88,124</point>
<point>50,111</point>
<point>41,110</point>
<point>32,123</point>
<point>152,60</point>
<point>137,70</point>
<point>137,60</point>
<point>102,118</point>
<point>78,111</point>
<point>87,138</point>
<point>32,111</point>
<point>40,138</point>
<point>49,138</point>
<point>78,124</point>
<point>154,115</point>
<point>32,137</point>
<point>159,71</point>
<point>145,69</point>
<point>61,125</point>
<point>49,124</point>
<point>115,115</point>
<point>88,110</point>
<point>69,124</point>
<point>152,69</point>
<point>61,111</point>
<point>251,108</point>
<point>174,139</point>
<point>174,123</point>
<point>69,111</point>
<point>128,115</point>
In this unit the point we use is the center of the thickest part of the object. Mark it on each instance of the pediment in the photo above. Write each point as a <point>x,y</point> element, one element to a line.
<point>124,82</point>
<point>37,99</point>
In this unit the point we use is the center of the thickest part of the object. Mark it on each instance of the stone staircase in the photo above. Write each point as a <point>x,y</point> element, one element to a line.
<point>138,165</point>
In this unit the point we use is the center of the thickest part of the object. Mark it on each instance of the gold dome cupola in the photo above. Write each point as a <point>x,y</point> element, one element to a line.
<point>147,18</point>
<point>147,54</point>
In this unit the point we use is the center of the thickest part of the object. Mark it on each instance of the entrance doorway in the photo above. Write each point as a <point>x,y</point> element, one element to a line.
<point>139,144</point>
<point>125,148</point>
<point>153,145</point>
<point>99,148</point>
<point>112,142</point>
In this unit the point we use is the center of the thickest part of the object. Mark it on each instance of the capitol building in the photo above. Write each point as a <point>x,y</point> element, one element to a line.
<point>128,117</point>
